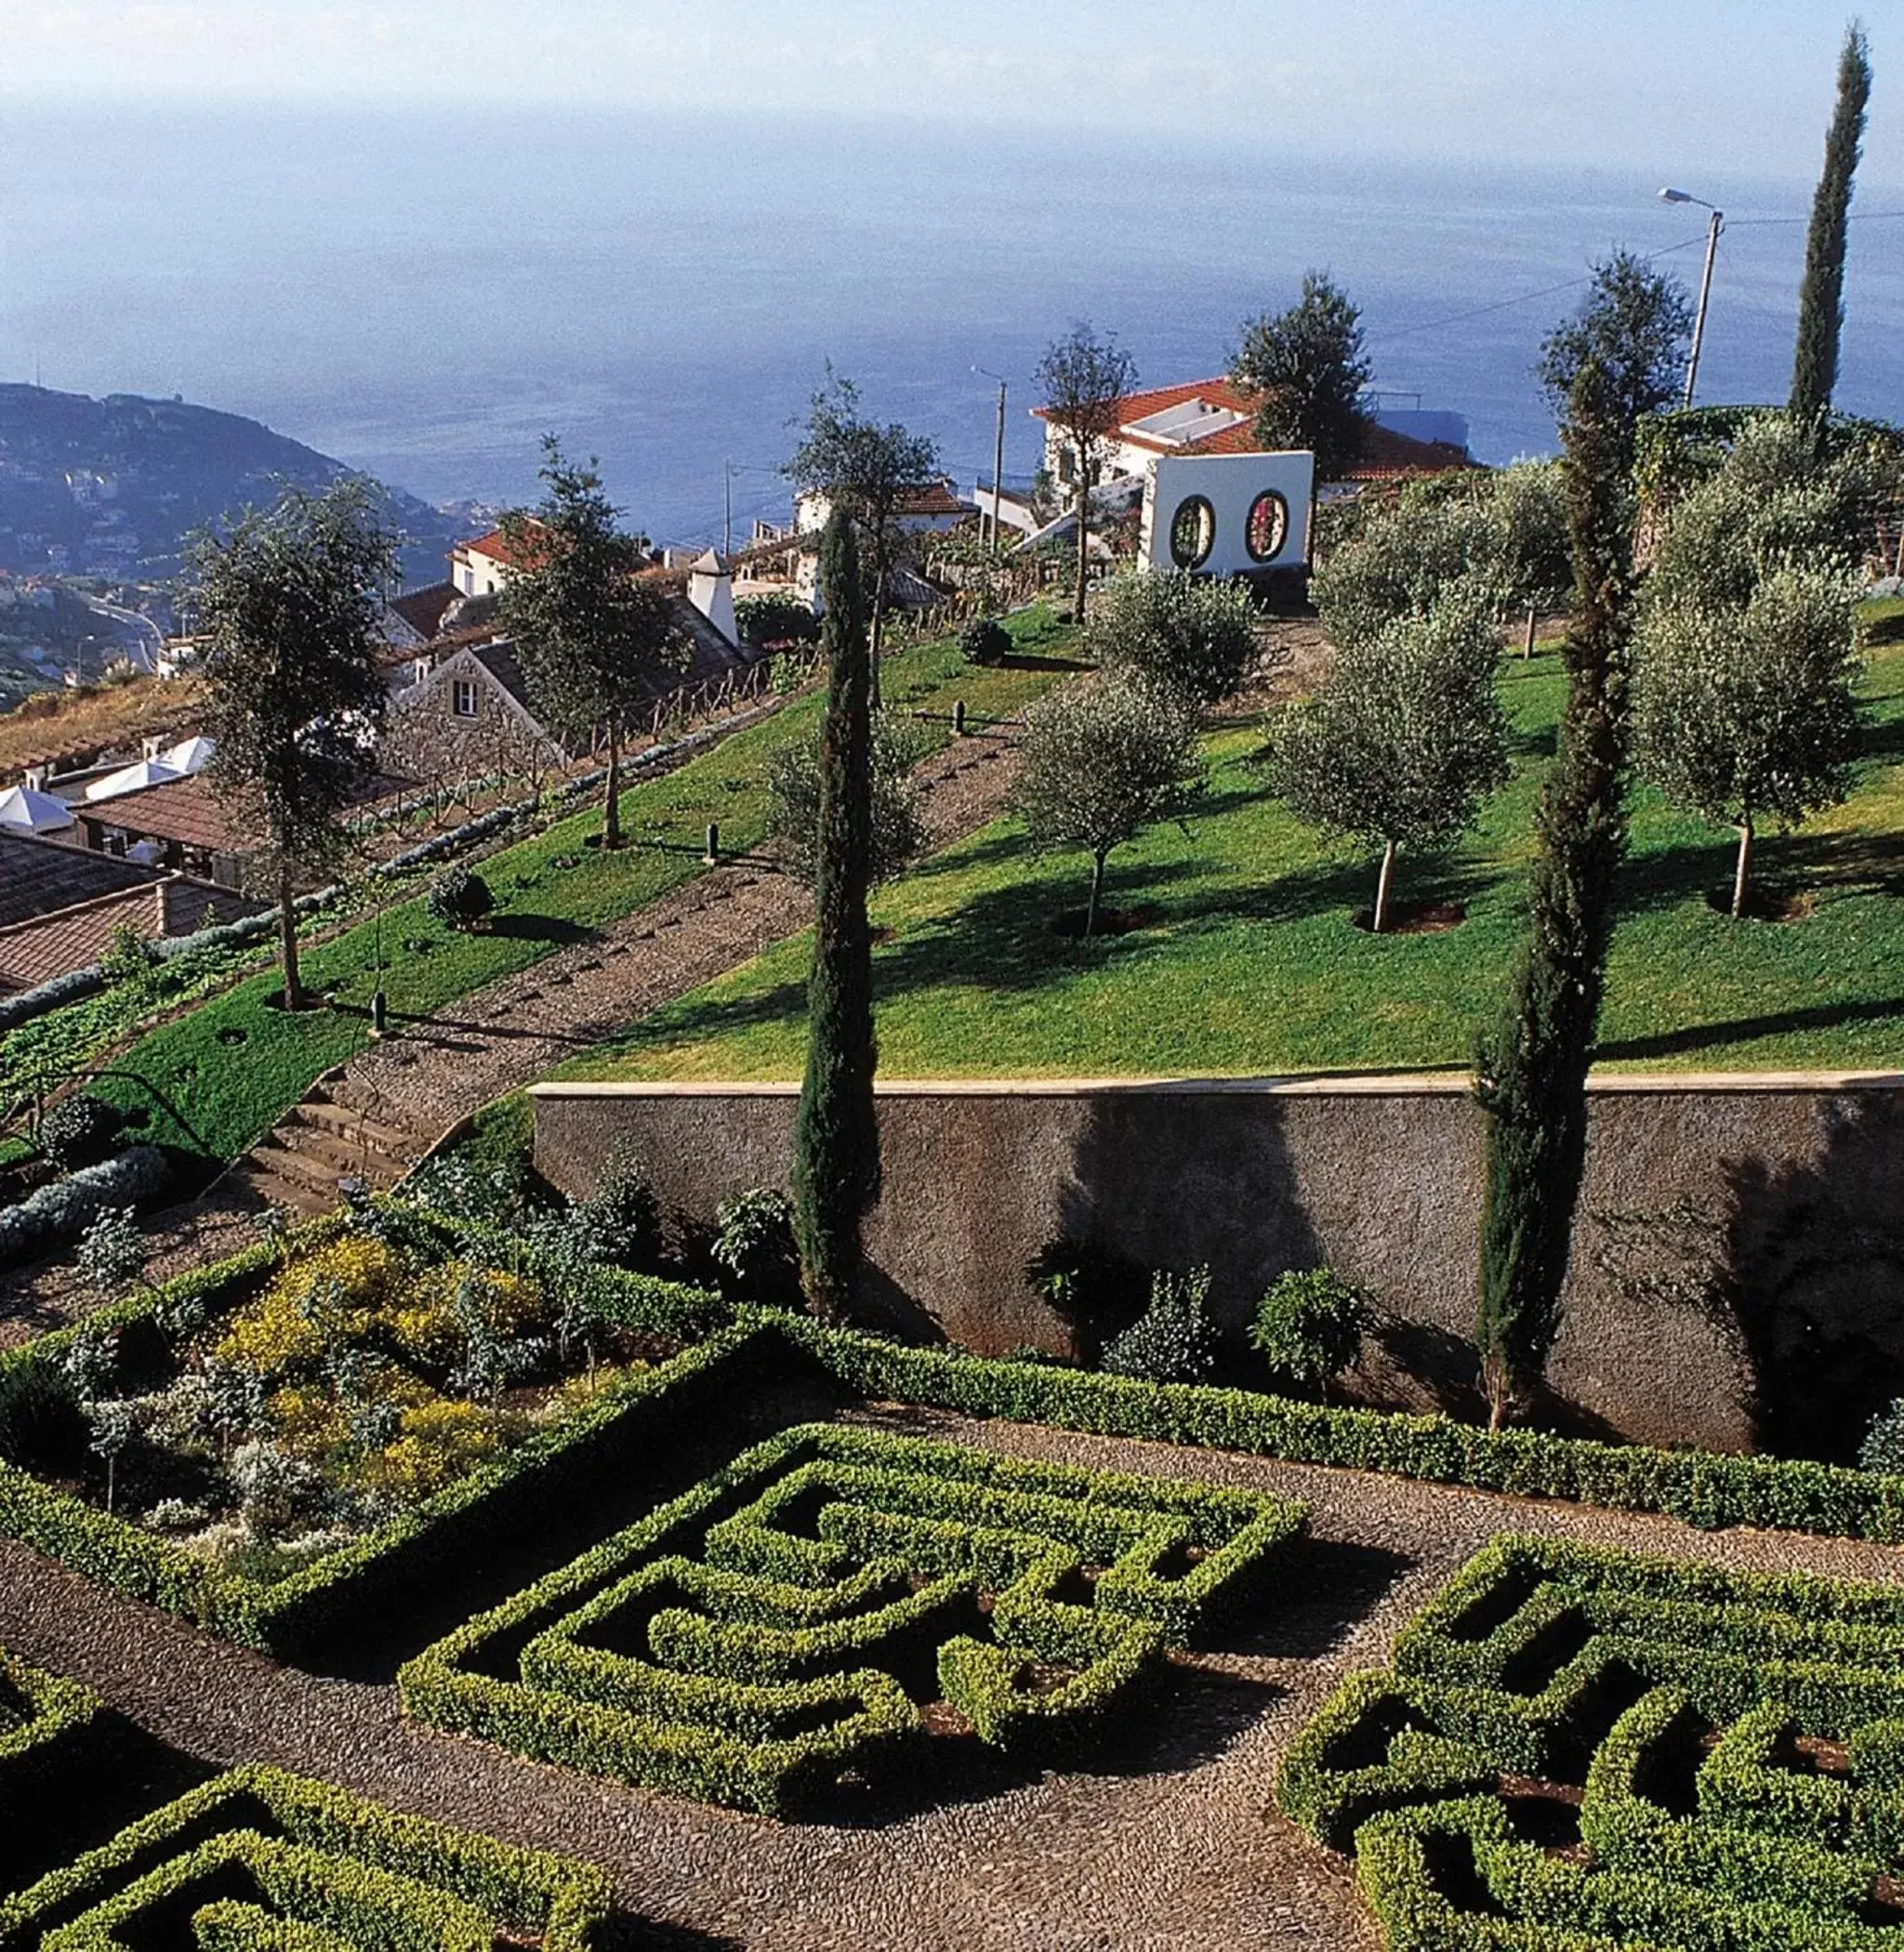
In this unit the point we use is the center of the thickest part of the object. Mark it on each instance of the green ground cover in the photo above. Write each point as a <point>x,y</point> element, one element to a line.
<point>1575,1741</point>
<point>214,1080</point>
<point>1253,962</point>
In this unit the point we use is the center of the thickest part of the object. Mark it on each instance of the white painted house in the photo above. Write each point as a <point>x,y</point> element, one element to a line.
<point>1214,500</point>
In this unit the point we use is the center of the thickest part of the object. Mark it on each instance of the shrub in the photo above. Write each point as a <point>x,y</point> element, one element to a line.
<point>985,642</point>
<point>79,1131</point>
<point>54,1214</point>
<point>793,783</point>
<point>1173,1340</point>
<point>112,1253</point>
<point>41,1425</point>
<point>1883,1448</point>
<point>620,1221</point>
<point>459,898</point>
<point>776,620</point>
<point>1309,1325</point>
<point>754,1249</point>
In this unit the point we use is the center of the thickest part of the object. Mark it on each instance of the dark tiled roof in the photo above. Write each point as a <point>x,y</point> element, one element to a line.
<point>31,953</point>
<point>185,811</point>
<point>39,876</point>
<point>423,608</point>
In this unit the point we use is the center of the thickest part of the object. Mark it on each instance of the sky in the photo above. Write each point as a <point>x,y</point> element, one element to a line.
<point>1679,85</point>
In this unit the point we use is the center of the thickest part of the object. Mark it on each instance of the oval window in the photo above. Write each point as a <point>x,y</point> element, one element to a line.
<point>1268,527</point>
<point>1193,532</point>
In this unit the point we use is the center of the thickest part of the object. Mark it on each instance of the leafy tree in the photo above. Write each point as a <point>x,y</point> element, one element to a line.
<point>1821,296</point>
<point>290,603</point>
<point>1787,492</point>
<point>1496,540</point>
<point>1308,366</point>
<point>619,1223</point>
<point>1182,632</point>
<point>794,772</point>
<point>836,1139</point>
<point>754,1246</point>
<point>1636,325</point>
<point>1401,740</point>
<point>1750,713</point>
<point>1309,1325</point>
<point>869,472</point>
<point>1083,379</point>
<point>1100,760</point>
<point>1532,1072</point>
<point>595,641</point>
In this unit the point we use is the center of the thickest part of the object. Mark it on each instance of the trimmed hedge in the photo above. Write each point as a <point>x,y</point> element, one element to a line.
<point>1681,1698</point>
<point>42,1717</point>
<point>319,1868</point>
<point>1703,1488</point>
<point>774,1624</point>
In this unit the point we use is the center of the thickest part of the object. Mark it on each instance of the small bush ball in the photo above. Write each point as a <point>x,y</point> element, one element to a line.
<point>460,898</point>
<point>80,1130</point>
<point>984,640</point>
<point>1308,1325</point>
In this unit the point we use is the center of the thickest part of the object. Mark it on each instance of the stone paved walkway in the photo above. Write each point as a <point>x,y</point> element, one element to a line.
<point>1176,1846</point>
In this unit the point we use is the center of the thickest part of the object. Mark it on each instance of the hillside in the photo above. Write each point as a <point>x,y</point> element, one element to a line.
<point>109,487</point>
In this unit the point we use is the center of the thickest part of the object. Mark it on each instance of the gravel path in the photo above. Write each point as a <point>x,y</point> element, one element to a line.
<point>1174,1846</point>
<point>426,1075</point>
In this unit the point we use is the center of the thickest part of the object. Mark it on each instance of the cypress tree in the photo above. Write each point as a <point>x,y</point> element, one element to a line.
<point>836,1155</point>
<point>1821,297</point>
<point>1533,1072</point>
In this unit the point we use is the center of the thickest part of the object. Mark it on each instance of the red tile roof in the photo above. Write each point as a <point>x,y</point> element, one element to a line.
<point>1385,453</point>
<point>496,545</point>
<point>423,608</point>
<point>31,953</point>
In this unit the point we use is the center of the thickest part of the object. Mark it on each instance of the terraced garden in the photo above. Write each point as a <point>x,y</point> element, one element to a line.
<point>1250,952</point>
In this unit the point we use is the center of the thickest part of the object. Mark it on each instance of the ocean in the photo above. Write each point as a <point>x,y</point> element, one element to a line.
<point>426,293</point>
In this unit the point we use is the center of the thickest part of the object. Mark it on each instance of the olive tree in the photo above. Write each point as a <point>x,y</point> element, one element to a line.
<point>1749,713</point>
<point>898,835</point>
<point>1102,758</point>
<point>1084,380</point>
<point>1401,740</point>
<point>1635,325</point>
<point>289,605</point>
<point>1184,632</point>
<point>1497,538</point>
<point>595,641</point>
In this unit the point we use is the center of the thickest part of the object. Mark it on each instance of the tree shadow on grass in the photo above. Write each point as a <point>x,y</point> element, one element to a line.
<point>1706,1037</point>
<point>539,929</point>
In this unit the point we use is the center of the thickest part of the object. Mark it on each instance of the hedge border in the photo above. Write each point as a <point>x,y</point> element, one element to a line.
<point>563,1898</point>
<point>60,1713</point>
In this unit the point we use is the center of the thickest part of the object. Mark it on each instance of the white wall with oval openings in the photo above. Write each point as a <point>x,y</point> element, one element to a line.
<point>1226,515</point>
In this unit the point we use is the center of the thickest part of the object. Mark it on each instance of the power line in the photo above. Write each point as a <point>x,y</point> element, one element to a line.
<point>1546,291</point>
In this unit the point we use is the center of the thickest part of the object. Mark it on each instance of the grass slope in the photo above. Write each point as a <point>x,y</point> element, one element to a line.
<point>1255,965</point>
<point>214,1080</point>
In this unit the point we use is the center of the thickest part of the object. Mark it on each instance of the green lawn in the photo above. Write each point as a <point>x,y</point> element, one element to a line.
<point>1254,964</point>
<point>214,1079</point>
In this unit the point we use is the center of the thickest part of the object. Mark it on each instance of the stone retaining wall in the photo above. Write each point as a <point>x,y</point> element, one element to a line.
<point>1801,1180</point>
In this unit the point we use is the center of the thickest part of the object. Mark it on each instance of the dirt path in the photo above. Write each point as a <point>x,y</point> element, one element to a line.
<point>1176,1845</point>
<point>427,1074</point>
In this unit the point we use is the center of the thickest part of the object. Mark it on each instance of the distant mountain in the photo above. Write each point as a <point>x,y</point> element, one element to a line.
<point>109,487</point>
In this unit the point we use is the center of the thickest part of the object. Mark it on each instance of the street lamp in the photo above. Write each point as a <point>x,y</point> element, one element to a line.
<point>997,451</point>
<point>1698,324</point>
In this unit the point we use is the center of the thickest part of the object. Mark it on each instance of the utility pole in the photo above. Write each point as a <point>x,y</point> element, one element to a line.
<point>997,454</point>
<point>1713,227</point>
<point>727,507</point>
